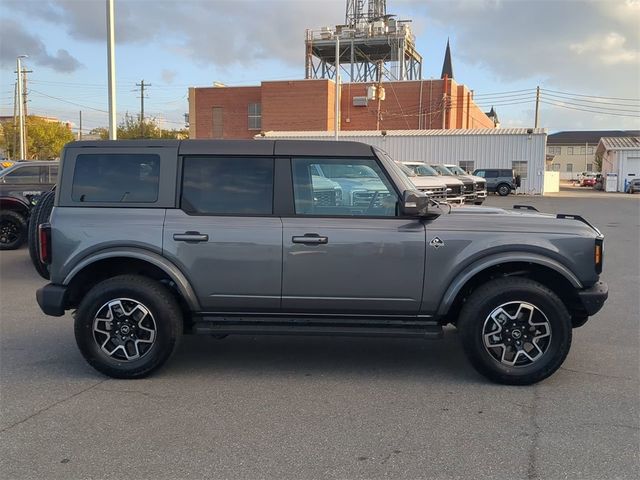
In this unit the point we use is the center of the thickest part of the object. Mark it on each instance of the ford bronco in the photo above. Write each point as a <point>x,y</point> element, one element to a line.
<point>151,239</point>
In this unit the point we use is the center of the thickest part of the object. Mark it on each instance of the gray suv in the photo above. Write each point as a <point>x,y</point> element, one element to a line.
<point>152,239</point>
<point>502,181</point>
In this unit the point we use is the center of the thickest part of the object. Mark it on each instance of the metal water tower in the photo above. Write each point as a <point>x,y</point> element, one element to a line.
<point>373,46</point>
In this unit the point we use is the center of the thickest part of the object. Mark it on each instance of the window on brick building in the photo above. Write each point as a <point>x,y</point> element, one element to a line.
<point>555,167</point>
<point>569,167</point>
<point>590,150</point>
<point>255,116</point>
<point>569,150</point>
<point>217,123</point>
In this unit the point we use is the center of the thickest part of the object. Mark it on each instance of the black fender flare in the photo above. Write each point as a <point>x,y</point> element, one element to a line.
<point>155,259</point>
<point>492,260</point>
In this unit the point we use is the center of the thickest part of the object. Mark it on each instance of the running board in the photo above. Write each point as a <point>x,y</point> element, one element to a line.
<point>336,327</point>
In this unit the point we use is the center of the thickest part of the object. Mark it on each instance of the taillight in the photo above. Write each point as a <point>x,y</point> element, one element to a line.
<point>44,237</point>
<point>597,254</point>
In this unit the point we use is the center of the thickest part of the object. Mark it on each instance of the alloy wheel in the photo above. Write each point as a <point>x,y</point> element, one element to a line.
<point>516,334</point>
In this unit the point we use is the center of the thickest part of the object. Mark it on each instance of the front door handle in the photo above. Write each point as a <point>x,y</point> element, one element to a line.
<point>311,239</point>
<point>191,237</point>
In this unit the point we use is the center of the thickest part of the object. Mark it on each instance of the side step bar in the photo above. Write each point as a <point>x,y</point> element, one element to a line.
<point>337,327</point>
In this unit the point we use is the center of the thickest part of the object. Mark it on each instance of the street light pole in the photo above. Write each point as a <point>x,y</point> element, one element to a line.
<point>21,108</point>
<point>111,66</point>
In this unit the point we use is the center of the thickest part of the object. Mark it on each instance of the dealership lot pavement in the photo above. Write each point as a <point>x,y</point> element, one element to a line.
<point>297,407</point>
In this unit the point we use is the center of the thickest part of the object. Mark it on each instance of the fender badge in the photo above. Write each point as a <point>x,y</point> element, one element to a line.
<point>436,243</point>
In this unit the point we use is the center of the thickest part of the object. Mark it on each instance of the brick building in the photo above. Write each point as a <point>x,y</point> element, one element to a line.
<point>309,105</point>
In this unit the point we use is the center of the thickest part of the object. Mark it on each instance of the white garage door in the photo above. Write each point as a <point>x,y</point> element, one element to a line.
<point>631,170</point>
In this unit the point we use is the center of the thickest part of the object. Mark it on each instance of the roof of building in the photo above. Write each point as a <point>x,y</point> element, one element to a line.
<point>493,115</point>
<point>447,66</point>
<point>580,137</point>
<point>620,143</point>
<point>406,133</point>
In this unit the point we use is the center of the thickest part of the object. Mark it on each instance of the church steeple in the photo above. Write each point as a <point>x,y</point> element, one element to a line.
<point>447,67</point>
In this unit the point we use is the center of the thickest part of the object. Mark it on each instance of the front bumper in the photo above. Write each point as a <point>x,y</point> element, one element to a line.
<point>51,299</point>
<point>592,299</point>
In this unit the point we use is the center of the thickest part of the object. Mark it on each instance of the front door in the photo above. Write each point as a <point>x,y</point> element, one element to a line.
<point>225,237</point>
<point>346,250</point>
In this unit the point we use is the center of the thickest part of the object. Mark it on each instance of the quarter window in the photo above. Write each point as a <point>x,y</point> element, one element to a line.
<point>227,186</point>
<point>342,188</point>
<point>117,178</point>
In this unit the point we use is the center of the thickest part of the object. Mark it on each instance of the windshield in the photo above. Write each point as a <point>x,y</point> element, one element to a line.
<point>457,170</point>
<point>442,170</point>
<point>424,171</point>
<point>348,171</point>
<point>406,170</point>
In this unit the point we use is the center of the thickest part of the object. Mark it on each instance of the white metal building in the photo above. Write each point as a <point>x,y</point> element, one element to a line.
<point>519,148</point>
<point>620,155</point>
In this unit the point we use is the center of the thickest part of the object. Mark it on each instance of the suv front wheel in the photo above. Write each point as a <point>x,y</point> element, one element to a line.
<point>503,189</point>
<point>515,331</point>
<point>128,326</point>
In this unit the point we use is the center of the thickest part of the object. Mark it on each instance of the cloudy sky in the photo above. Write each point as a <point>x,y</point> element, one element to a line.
<point>585,55</point>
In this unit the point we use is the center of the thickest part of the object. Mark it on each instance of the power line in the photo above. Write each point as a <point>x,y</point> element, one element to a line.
<point>591,102</point>
<point>593,96</point>
<point>586,110</point>
<point>69,102</point>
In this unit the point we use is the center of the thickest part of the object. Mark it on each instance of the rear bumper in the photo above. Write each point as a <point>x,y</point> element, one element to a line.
<point>51,299</point>
<point>593,298</point>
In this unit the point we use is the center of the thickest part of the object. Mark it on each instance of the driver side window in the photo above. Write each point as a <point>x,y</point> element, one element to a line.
<point>342,187</point>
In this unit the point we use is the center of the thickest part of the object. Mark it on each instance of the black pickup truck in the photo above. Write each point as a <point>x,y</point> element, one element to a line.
<point>21,185</point>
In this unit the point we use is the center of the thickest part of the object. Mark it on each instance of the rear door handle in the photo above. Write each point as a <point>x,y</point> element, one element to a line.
<point>191,237</point>
<point>311,239</point>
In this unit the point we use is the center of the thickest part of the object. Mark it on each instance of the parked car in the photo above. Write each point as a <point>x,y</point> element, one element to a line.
<point>479,183</point>
<point>588,181</point>
<point>454,185</point>
<point>468,185</point>
<point>21,185</point>
<point>149,239</point>
<point>581,175</point>
<point>499,180</point>
<point>430,184</point>
<point>633,186</point>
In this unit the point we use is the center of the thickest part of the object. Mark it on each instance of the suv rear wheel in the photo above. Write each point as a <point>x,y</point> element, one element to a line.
<point>503,189</point>
<point>13,230</point>
<point>128,326</point>
<point>515,331</point>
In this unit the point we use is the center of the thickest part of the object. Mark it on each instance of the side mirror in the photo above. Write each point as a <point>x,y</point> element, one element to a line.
<point>415,203</point>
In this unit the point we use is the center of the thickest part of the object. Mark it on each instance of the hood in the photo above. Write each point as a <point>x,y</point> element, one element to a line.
<point>428,182</point>
<point>477,218</point>
<point>451,181</point>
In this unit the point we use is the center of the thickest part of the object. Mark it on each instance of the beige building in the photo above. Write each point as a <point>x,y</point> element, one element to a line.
<point>573,152</point>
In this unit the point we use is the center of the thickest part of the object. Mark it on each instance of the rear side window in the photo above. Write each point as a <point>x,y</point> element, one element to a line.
<point>117,178</point>
<point>23,176</point>
<point>491,174</point>
<point>227,186</point>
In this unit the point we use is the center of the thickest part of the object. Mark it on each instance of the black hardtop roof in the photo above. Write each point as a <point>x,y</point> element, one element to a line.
<point>241,147</point>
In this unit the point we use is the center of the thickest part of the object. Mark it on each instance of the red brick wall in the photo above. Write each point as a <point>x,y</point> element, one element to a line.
<point>235,102</point>
<point>308,105</point>
<point>303,105</point>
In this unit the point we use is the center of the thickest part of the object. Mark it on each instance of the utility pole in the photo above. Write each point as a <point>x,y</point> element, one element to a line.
<point>142,85</point>
<point>21,108</point>
<point>379,94</point>
<point>14,153</point>
<point>80,128</point>
<point>535,124</point>
<point>336,122</point>
<point>111,67</point>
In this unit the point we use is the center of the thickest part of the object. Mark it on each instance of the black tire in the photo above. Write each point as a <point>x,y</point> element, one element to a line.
<point>478,203</point>
<point>13,230</point>
<point>165,314</point>
<point>497,293</point>
<point>40,214</point>
<point>503,189</point>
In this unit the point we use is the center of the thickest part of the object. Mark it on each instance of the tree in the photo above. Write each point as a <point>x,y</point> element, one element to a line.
<point>45,138</point>
<point>130,128</point>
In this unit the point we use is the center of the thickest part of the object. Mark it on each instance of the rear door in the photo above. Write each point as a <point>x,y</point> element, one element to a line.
<point>225,236</point>
<point>348,251</point>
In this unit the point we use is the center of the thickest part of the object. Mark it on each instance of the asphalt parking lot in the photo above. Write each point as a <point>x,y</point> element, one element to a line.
<point>297,407</point>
